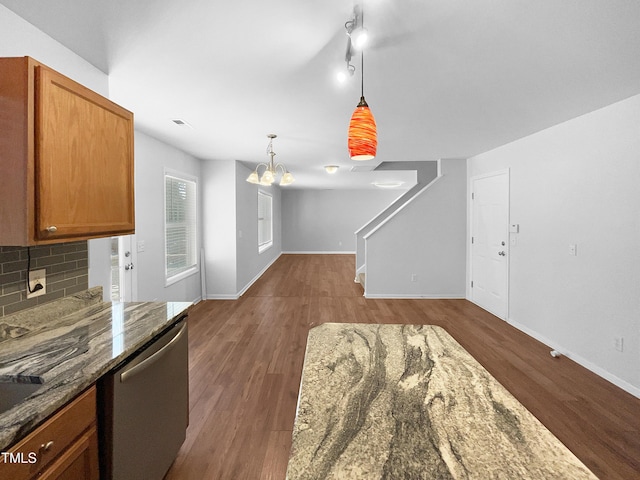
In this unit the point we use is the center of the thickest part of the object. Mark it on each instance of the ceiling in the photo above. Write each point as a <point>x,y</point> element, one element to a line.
<point>444,78</point>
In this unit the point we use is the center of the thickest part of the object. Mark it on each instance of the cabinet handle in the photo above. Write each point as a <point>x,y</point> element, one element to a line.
<point>45,447</point>
<point>52,229</point>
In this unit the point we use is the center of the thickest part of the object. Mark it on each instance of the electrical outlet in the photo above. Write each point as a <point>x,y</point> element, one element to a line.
<point>141,246</point>
<point>618,343</point>
<point>37,283</point>
<point>414,277</point>
<point>573,249</point>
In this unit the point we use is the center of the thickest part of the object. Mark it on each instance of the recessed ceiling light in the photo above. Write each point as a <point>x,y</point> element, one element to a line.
<point>331,168</point>
<point>387,184</point>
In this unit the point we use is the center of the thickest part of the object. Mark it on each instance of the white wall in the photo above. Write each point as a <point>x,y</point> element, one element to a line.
<point>152,157</point>
<point>231,229</point>
<point>426,173</point>
<point>326,220</point>
<point>577,183</point>
<point>219,221</point>
<point>426,238</point>
<point>18,38</point>
<point>250,263</point>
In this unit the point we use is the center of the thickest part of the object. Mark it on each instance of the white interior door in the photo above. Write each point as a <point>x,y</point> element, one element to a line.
<point>122,269</point>
<point>490,242</point>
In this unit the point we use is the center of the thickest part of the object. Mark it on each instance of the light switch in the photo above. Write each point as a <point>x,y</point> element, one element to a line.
<point>514,228</point>
<point>140,245</point>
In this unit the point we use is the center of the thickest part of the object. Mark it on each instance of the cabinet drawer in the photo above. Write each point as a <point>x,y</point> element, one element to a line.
<point>43,445</point>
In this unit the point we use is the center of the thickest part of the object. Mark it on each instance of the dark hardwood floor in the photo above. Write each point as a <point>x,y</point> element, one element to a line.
<point>246,360</point>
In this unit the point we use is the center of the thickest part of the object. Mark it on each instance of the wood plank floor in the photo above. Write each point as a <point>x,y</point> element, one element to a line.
<point>246,360</point>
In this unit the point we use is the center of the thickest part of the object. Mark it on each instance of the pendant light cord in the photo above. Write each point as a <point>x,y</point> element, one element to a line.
<point>37,286</point>
<point>362,73</point>
<point>362,55</point>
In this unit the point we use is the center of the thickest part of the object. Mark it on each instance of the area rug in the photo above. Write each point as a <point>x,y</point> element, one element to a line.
<point>408,402</point>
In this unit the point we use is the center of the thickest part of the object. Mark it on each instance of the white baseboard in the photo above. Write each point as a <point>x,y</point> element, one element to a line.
<point>623,384</point>
<point>253,280</point>
<point>410,296</point>
<point>236,296</point>
<point>318,253</point>
<point>222,297</point>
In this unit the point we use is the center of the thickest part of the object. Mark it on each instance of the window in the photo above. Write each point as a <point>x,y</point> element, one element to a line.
<point>265,224</point>
<point>179,227</point>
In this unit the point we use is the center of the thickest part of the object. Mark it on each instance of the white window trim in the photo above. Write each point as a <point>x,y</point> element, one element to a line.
<point>267,245</point>
<point>196,268</point>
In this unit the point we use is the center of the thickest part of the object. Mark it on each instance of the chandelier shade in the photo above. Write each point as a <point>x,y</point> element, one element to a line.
<point>363,138</point>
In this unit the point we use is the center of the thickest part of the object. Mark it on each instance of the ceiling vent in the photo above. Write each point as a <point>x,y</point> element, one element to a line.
<point>180,122</point>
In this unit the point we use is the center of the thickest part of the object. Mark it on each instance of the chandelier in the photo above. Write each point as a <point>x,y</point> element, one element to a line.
<point>271,169</point>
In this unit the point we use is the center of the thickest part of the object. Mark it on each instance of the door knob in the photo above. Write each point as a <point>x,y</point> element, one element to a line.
<point>128,266</point>
<point>502,254</point>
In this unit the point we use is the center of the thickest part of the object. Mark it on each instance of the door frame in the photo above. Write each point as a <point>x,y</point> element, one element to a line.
<point>128,278</point>
<point>508,242</point>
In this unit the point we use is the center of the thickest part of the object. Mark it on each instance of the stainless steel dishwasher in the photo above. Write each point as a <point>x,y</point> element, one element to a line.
<point>145,410</point>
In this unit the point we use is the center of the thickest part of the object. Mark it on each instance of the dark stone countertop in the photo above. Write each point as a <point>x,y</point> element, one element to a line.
<point>67,352</point>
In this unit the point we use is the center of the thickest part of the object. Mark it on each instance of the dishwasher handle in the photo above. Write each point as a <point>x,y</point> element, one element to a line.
<point>147,362</point>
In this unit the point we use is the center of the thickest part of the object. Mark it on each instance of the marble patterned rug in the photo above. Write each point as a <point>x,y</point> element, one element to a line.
<point>408,402</point>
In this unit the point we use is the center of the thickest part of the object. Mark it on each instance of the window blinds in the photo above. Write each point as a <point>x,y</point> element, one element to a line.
<point>265,231</point>
<point>180,225</point>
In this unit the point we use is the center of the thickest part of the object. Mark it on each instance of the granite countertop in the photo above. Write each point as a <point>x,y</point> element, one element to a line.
<point>407,401</point>
<point>68,346</point>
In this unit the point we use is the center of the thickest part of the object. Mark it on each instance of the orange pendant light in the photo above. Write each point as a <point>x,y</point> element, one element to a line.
<point>363,138</point>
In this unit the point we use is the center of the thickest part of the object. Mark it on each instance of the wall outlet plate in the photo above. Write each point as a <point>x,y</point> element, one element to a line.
<point>37,277</point>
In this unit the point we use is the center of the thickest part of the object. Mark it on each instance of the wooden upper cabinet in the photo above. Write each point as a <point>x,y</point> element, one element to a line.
<point>66,153</point>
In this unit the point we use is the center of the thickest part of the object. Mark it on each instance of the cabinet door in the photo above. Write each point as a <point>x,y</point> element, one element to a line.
<point>78,462</point>
<point>83,161</point>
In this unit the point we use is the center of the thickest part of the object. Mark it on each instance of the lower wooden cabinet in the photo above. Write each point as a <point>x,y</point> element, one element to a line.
<point>65,447</point>
<point>78,461</point>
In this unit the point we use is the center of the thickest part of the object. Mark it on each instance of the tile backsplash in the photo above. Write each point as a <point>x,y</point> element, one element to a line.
<point>66,264</point>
